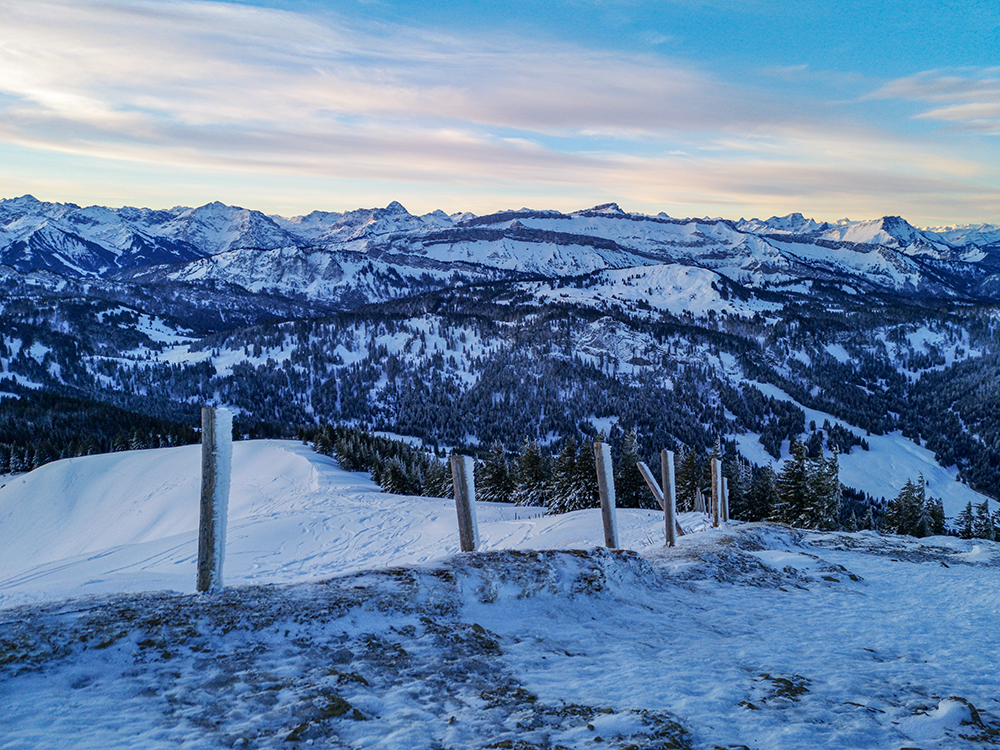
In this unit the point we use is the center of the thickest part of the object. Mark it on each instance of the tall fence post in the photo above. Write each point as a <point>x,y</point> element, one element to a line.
<point>647,475</point>
<point>725,499</point>
<point>716,491</point>
<point>463,477</point>
<point>669,495</point>
<point>606,485</point>
<point>216,472</point>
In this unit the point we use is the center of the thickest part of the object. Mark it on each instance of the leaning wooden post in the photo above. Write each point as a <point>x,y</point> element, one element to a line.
<point>647,475</point>
<point>463,477</point>
<point>216,470</point>
<point>669,495</point>
<point>725,499</point>
<point>716,491</point>
<point>606,485</point>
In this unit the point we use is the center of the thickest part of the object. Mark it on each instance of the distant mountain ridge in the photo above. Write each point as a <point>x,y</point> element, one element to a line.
<point>365,255</point>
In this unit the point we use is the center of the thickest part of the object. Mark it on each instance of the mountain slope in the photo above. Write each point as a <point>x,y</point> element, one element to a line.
<point>886,254</point>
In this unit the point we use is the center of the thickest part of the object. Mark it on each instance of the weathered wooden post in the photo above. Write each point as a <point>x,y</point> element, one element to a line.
<point>669,495</point>
<point>699,501</point>
<point>606,485</point>
<point>725,499</point>
<point>658,494</point>
<point>463,477</point>
<point>716,491</point>
<point>216,471</point>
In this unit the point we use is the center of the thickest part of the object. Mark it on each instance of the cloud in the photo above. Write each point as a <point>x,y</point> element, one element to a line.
<point>259,91</point>
<point>200,63</point>
<point>967,99</point>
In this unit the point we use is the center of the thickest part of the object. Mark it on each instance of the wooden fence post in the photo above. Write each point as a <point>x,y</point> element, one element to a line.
<point>725,499</point>
<point>463,477</point>
<point>216,471</point>
<point>658,494</point>
<point>669,495</point>
<point>606,484</point>
<point>716,491</point>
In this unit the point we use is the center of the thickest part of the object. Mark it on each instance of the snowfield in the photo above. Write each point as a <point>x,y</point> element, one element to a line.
<point>129,522</point>
<point>351,621</point>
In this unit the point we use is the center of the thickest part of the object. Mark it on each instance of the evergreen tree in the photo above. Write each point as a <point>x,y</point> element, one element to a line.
<point>869,523</point>
<point>323,444</point>
<point>689,480</point>
<point>852,522</point>
<point>965,522</point>
<point>494,478</point>
<point>397,478</point>
<point>762,495</point>
<point>531,476</point>
<point>809,494</point>
<point>982,527</point>
<point>437,479</point>
<point>574,479</point>
<point>794,488</point>
<point>630,488</point>
<point>938,522</point>
<point>739,474</point>
<point>827,493</point>
<point>904,512</point>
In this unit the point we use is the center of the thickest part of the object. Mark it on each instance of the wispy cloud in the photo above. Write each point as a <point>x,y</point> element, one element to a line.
<point>967,99</point>
<point>220,86</point>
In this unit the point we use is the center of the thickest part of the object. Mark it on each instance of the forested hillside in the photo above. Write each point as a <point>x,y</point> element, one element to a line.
<point>684,350</point>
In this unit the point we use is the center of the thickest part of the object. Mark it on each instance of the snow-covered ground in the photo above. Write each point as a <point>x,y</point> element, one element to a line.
<point>129,521</point>
<point>883,469</point>
<point>753,636</point>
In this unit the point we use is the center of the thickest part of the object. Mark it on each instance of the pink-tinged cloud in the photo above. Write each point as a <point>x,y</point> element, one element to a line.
<point>205,86</point>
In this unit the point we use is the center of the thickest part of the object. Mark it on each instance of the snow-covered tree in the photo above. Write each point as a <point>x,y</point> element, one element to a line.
<point>965,522</point>
<point>531,476</point>
<point>574,479</point>
<point>982,527</point>
<point>808,491</point>
<point>494,478</point>
<point>761,496</point>
<point>794,489</point>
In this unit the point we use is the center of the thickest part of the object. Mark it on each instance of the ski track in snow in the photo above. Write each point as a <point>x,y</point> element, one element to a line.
<point>128,522</point>
<point>754,635</point>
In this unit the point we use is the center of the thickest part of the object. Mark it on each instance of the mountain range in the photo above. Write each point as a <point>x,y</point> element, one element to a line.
<point>463,330</point>
<point>338,257</point>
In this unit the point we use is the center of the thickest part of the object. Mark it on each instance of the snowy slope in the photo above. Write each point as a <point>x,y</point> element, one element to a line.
<point>128,522</point>
<point>880,471</point>
<point>757,637</point>
<point>672,288</point>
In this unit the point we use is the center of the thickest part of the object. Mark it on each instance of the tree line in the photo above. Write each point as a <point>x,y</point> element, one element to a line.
<point>805,492</point>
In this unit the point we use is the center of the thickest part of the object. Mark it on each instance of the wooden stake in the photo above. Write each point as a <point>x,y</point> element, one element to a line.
<point>716,491</point>
<point>725,499</point>
<point>464,480</point>
<point>216,468</point>
<point>606,485</point>
<point>669,496</point>
<point>657,493</point>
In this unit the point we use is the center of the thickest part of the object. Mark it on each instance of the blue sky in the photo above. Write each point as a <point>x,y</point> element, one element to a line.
<point>708,108</point>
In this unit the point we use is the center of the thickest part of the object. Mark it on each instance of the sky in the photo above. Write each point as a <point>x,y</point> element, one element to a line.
<point>733,108</point>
